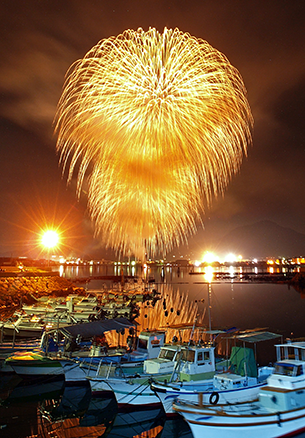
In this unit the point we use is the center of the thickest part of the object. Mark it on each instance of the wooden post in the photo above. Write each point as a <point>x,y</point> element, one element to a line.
<point>200,399</point>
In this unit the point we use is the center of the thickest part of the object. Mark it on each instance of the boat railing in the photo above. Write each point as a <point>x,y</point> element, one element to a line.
<point>88,366</point>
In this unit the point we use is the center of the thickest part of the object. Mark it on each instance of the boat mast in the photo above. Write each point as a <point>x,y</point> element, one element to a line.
<point>192,332</point>
<point>209,310</point>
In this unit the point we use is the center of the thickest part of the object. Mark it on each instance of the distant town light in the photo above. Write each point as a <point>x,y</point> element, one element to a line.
<point>209,257</point>
<point>230,258</point>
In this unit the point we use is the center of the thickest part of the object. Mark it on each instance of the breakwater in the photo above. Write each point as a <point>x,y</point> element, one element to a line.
<point>17,288</point>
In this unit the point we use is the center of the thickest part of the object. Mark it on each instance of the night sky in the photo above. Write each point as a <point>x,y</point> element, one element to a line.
<point>39,40</point>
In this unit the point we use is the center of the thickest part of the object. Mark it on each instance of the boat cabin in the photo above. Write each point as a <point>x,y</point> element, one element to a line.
<point>194,362</point>
<point>148,346</point>
<point>285,388</point>
<point>197,363</point>
<point>290,366</point>
<point>288,374</point>
<point>165,362</point>
<point>290,350</point>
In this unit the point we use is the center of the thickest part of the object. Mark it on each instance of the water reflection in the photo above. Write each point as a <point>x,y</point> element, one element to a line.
<point>209,274</point>
<point>168,273</point>
<point>72,412</point>
<point>243,296</point>
<point>76,411</point>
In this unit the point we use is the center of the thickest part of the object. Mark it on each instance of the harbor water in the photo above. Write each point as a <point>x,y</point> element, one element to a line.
<point>49,409</point>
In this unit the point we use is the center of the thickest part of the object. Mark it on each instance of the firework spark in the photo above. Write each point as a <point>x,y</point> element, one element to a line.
<point>160,123</point>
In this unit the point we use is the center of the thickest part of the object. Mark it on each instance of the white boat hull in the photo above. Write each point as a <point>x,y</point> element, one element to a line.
<point>243,422</point>
<point>127,392</point>
<point>38,370</point>
<point>209,395</point>
<point>22,333</point>
<point>30,366</point>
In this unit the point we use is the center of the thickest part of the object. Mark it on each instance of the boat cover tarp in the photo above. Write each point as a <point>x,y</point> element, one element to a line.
<point>97,328</point>
<point>256,336</point>
<point>188,326</point>
<point>241,358</point>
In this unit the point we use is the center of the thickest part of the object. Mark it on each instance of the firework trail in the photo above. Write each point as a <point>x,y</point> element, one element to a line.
<point>160,124</point>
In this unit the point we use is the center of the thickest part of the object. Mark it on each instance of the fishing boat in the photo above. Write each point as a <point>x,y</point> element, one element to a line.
<point>49,361</point>
<point>87,362</point>
<point>32,320</point>
<point>241,382</point>
<point>278,412</point>
<point>133,389</point>
<point>82,306</point>
<point>42,305</point>
<point>175,361</point>
<point>85,345</point>
<point>34,364</point>
<point>24,326</point>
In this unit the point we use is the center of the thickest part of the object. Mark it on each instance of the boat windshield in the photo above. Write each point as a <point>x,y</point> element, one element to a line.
<point>142,344</point>
<point>188,356</point>
<point>167,354</point>
<point>288,369</point>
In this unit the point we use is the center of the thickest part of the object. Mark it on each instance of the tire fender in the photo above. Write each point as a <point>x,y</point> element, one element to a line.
<point>214,398</point>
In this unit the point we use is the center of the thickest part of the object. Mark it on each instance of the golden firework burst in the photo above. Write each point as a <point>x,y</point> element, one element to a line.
<point>162,121</point>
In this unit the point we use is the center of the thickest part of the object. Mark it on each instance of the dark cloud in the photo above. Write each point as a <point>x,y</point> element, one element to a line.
<point>39,40</point>
<point>289,110</point>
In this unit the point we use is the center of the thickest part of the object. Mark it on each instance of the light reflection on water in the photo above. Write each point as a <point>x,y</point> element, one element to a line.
<point>234,303</point>
<point>169,273</point>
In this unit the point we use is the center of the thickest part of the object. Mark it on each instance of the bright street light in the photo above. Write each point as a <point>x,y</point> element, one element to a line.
<point>50,239</point>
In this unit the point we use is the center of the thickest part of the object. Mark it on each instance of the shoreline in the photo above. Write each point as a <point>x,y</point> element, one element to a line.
<point>18,288</point>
